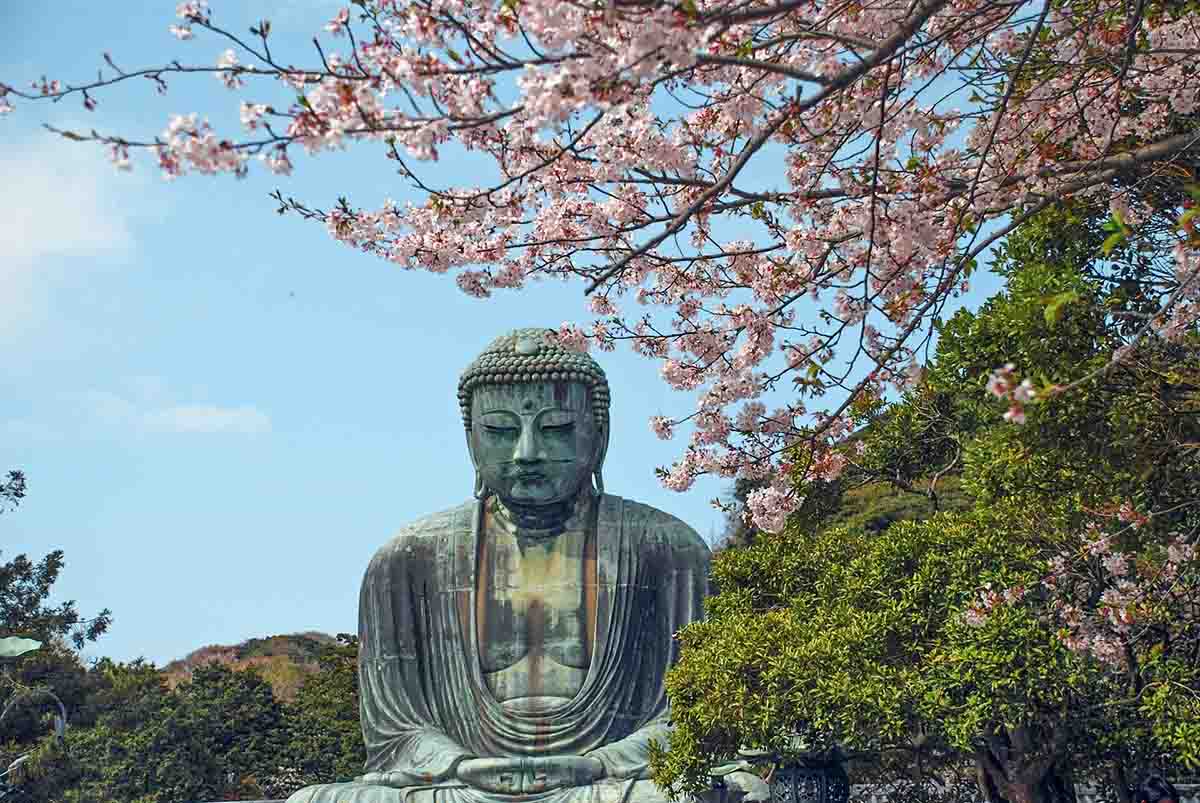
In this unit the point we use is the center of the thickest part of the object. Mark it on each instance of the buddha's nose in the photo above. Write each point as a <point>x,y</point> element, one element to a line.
<point>528,449</point>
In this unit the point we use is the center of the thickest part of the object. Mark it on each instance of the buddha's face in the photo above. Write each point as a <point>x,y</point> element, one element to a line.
<point>534,443</point>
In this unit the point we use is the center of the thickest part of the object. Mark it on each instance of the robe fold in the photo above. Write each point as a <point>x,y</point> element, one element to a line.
<point>425,705</point>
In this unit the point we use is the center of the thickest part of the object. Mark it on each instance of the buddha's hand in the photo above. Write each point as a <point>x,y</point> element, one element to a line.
<point>518,776</point>
<point>387,778</point>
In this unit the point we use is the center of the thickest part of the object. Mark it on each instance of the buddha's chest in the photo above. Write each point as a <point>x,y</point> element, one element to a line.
<point>532,614</point>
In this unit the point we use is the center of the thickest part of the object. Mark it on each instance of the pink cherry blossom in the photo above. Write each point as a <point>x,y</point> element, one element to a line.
<point>1128,514</point>
<point>227,65</point>
<point>663,427</point>
<point>1116,564</point>
<point>746,191</point>
<point>252,114</point>
<point>196,10</point>
<point>1000,382</point>
<point>119,155</point>
<point>277,161</point>
<point>770,507</point>
<point>337,25</point>
<point>1015,413</point>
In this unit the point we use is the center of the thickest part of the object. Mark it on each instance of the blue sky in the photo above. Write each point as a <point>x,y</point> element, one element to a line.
<point>222,412</point>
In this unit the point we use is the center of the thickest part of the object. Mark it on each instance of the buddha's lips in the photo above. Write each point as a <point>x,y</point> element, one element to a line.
<point>535,474</point>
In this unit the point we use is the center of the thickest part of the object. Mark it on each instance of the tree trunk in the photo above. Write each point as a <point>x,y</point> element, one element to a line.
<point>1058,784</point>
<point>1003,783</point>
<point>1024,791</point>
<point>1120,781</point>
<point>986,777</point>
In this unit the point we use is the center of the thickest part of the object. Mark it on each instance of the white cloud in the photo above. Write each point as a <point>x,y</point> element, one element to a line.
<point>60,199</point>
<point>56,202</point>
<point>205,418</point>
<point>106,413</point>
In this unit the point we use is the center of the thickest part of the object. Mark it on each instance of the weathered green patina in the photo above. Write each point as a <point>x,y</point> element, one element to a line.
<point>514,647</point>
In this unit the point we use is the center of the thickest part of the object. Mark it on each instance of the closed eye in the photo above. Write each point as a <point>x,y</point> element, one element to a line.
<point>567,427</point>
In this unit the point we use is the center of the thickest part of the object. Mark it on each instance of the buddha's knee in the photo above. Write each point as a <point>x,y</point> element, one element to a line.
<point>352,792</point>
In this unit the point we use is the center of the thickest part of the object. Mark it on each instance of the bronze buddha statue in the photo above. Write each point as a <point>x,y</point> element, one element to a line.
<point>515,647</point>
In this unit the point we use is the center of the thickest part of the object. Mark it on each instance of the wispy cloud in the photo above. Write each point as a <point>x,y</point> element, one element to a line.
<point>59,199</point>
<point>55,203</point>
<point>206,418</point>
<point>142,409</point>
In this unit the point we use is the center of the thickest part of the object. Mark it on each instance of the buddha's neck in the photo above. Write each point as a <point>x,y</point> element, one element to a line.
<point>539,522</point>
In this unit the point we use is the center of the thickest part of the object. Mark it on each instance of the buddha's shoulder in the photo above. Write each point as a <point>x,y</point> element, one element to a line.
<point>655,524</point>
<point>424,535</point>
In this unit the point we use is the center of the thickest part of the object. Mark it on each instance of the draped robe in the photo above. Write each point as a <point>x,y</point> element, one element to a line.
<point>425,705</point>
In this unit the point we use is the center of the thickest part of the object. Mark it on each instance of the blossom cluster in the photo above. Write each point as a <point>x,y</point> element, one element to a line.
<point>1003,384</point>
<point>622,138</point>
<point>1102,597</point>
<point>987,600</point>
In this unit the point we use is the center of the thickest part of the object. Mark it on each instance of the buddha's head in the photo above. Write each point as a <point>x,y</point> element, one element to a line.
<point>536,415</point>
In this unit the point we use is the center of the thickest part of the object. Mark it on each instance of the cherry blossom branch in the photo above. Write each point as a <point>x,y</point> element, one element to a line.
<point>924,11</point>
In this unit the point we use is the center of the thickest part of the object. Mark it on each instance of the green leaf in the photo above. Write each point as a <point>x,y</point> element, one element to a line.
<point>1188,215</point>
<point>1111,242</point>
<point>1058,303</point>
<point>13,646</point>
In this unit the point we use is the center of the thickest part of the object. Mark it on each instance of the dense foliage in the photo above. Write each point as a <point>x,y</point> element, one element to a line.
<point>326,742</point>
<point>221,734</point>
<point>859,634</point>
<point>1046,629</point>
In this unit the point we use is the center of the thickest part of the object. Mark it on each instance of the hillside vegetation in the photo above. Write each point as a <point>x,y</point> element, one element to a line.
<point>283,661</point>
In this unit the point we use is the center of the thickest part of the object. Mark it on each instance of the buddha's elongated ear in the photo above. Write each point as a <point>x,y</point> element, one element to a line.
<point>480,488</point>
<point>601,450</point>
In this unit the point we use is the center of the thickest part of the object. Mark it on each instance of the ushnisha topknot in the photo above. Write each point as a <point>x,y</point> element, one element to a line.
<point>532,355</point>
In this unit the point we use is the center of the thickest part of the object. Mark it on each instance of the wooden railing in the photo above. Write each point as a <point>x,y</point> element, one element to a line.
<point>1188,793</point>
